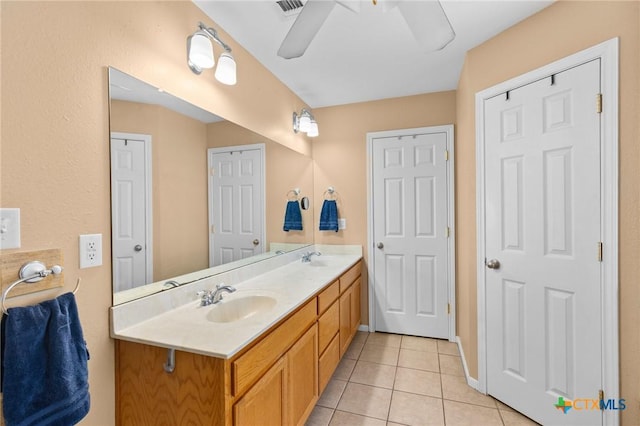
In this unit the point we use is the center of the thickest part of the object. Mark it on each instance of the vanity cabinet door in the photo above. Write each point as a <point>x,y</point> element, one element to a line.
<point>355,305</point>
<point>264,403</point>
<point>302,360</point>
<point>345,320</point>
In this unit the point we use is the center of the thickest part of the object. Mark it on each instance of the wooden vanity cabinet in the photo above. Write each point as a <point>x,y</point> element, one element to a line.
<point>274,381</point>
<point>349,305</point>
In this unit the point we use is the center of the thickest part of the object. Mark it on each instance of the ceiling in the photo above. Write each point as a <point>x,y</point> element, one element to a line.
<point>357,57</point>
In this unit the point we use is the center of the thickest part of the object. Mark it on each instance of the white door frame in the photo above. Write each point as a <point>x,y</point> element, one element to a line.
<point>148,197</point>
<point>607,52</point>
<point>451,266</point>
<point>258,146</point>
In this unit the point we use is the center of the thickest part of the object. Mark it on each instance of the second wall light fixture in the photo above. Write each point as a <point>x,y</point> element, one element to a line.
<point>200,55</point>
<point>305,122</point>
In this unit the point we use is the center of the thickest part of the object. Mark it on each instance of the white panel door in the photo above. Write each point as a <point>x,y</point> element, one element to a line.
<point>409,189</point>
<point>130,208</point>
<point>542,192</point>
<point>236,204</point>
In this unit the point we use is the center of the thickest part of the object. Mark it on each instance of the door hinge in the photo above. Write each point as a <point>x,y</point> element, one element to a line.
<point>446,155</point>
<point>448,308</point>
<point>601,398</point>
<point>600,251</point>
<point>212,172</point>
<point>599,103</point>
<point>448,231</point>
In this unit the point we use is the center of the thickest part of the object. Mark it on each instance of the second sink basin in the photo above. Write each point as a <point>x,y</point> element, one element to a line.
<point>240,308</point>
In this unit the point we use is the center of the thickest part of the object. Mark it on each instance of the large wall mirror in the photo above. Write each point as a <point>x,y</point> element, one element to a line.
<point>187,186</point>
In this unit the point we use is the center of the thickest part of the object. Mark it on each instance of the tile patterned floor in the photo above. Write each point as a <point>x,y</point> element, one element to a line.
<point>387,379</point>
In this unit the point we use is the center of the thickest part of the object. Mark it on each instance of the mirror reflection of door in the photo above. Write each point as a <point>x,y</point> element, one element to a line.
<point>131,210</point>
<point>236,203</point>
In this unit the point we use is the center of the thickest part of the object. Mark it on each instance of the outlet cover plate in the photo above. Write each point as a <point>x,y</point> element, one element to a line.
<point>90,250</point>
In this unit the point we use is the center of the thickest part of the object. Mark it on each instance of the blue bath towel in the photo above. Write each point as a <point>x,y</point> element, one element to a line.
<point>44,364</point>
<point>329,216</point>
<point>292,217</point>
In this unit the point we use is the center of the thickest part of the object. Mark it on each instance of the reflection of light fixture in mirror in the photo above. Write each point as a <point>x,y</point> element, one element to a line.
<point>200,55</point>
<point>305,122</point>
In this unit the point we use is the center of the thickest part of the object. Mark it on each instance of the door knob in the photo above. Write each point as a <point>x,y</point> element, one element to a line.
<point>493,264</point>
<point>138,247</point>
<point>256,242</point>
<point>380,246</point>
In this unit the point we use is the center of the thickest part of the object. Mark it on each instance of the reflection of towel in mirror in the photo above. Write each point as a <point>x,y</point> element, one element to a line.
<point>329,216</point>
<point>292,217</point>
<point>44,364</point>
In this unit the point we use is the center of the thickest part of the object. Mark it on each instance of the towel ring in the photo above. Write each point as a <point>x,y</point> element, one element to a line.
<point>330,194</point>
<point>292,195</point>
<point>33,272</point>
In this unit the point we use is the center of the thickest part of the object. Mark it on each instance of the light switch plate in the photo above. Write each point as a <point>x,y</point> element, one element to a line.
<point>342,223</point>
<point>9,228</point>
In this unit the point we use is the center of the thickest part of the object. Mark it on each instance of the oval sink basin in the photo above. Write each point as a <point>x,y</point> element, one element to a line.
<point>240,308</point>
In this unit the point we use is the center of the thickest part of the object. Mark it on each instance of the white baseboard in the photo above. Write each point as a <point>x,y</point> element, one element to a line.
<point>363,327</point>
<point>470,380</point>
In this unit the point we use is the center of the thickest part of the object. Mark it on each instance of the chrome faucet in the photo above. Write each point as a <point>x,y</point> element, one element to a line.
<point>171,284</point>
<point>306,257</point>
<point>212,297</point>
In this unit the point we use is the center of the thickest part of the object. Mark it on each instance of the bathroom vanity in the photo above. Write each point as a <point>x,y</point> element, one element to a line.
<point>259,362</point>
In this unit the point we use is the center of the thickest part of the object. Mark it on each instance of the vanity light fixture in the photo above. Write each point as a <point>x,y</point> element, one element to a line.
<point>200,55</point>
<point>305,122</point>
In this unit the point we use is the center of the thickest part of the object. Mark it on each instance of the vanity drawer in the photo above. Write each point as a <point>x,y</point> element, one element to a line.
<point>253,363</point>
<point>328,362</point>
<point>328,325</point>
<point>349,277</point>
<point>328,295</point>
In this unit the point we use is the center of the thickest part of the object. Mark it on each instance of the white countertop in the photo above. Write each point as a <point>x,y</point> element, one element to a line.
<point>187,328</point>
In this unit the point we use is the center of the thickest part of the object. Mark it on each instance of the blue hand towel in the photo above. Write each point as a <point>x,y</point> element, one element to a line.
<point>329,216</point>
<point>44,364</point>
<point>292,217</point>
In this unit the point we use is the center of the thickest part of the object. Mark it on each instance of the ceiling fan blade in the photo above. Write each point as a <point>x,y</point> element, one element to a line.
<point>428,23</point>
<point>305,28</point>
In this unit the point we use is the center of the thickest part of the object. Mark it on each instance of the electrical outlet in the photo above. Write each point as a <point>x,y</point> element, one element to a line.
<point>342,223</point>
<point>90,250</point>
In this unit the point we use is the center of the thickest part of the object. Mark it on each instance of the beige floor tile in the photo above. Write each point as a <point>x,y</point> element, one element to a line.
<point>384,339</point>
<point>365,400</point>
<point>513,418</point>
<point>332,393</point>
<point>503,407</point>
<point>419,360</point>
<point>450,348</point>
<point>360,337</point>
<point>380,354</point>
<point>412,409</point>
<point>423,344</point>
<point>320,416</point>
<point>418,381</point>
<point>342,418</point>
<point>459,414</point>
<point>450,364</point>
<point>456,388</point>
<point>370,373</point>
<point>354,350</point>
<point>344,369</point>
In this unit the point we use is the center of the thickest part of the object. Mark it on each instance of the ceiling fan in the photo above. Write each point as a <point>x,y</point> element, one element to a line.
<point>425,18</point>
